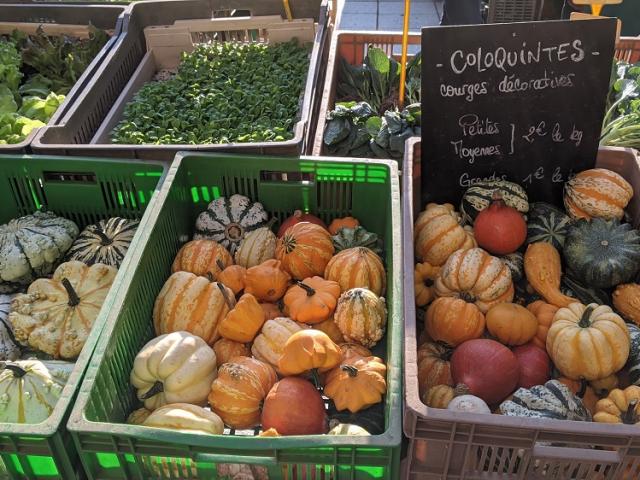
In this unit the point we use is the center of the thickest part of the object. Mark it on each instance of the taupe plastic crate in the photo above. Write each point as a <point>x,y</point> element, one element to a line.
<point>78,132</point>
<point>61,18</point>
<point>457,446</point>
<point>352,46</point>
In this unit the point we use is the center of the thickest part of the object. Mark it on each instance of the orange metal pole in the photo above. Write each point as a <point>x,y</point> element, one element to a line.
<point>405,47</point>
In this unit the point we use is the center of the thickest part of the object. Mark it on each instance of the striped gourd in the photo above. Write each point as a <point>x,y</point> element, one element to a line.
<point>633,363</point>
<point>8,348</point>
<point>104,242</point>
<point>190,303</point>
<point>515,262</point>
<point>357,267</point>
<point>256,247</point>
<point>479,196</point>
<point>553,400</point>
<point>228,220</point>
<point>31,247</point>
<point>547,224</point>
<point>205,258</point>
<point>268,345</point>
<point>361,316</point>
<point>597,193</point>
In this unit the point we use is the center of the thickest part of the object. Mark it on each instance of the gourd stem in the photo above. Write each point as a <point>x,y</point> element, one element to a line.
<point>583,388</point>
<point>467,297</point>
<point>310,291</point>
<point>220,264</point>
<point>350,369</point>
<point>496,196</point>
<point>104,240</point>
<point>316,378</point>
<point>74,299</point>
<point>157,387</point>
<point>271,222</point>
<point>584,319</point>
<point>448,351</point>
<point>17,370</point>
<point>630,417</point>
<point>224,295</point>
<point>210,277</point>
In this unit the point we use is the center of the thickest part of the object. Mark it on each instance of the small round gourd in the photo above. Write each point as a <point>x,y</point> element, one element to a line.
<point>597,193</point>
<point>356,237</point>
<point>305,250</point>
<point>547,223</point>
<point>185,417</point>
<point>256,247</point>
<point>479,196</point>
<point>205,258</point>
<point>511,324</point>
<point>626,300</point>
<point>468,404</point>
<point>552,400</point>
<point>424,279</point>
<point>104,242</point>
<point>361,316</point>
<point>268,345</point>
<point>620,406</point>
<point>434,366</point>
<point>454,321</point>
<point>357,267</point>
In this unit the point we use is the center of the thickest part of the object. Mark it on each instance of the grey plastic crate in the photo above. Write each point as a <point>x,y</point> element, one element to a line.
<point>76,130</point>
<point>106,17</point>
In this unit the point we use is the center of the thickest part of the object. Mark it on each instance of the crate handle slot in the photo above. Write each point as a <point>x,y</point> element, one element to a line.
<point>576,454</point>
<point>70,177</point>
<point>235,459</point>
<point>287,177</point>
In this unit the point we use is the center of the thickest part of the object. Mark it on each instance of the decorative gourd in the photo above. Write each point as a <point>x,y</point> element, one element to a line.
<point>244,320</point>
<point>438,396</point>
<point>268,345</point>
<point>515,262</point>
<point>633,363</point>
<point>337,428</point>
<point>434,367</point>
<point>338,224</point>
<point>31,247</point>
<point>468,404</point>
<point>582,390</point>
<point>602,253</point>
<point>312,301</point>
<point>357,267</point>
<point>543,271</point>
<point>603,386</point>
<point>597,193</point>
<point>174,368</point>
<point>233,277</point>
<point>620,406</point>
<point>424,279</point>
<point>308,350</point>
<point>104,242</point>
<point>192,304</point>
<point>272,310</point>
<point>511,324</point>
<point>588,341</point>
<point>237,394</point>
<point>138,416</point>
<point>372,419</point>
<point>356,237</point>
<point>626,300</point>
<point>205,258</point>
<point>227,349</point>
<point>469,366</point>
<point>479,196</point>
<point>535,365</point>
<point>267,282</point>
<point>228,220</point>
<point>499,228</point>
<point>553,400</point>
<point>584,294</point>
<point>299,217</point>
<point>453,321</point>
<point>547,224</point>
<point>438,233</point>
<point>9,349</point>
<point>544,313</point>
<point>361,316</point>
<point>305,250</point>
<point>331,329</point>
<point>185,417</point>
<point>30,389</point>
<point>357,383</point>
<point>294,407</point>
<point>476,277</point>
<point>256,247</point>
<point>55,316</point>
<point>354,350</point>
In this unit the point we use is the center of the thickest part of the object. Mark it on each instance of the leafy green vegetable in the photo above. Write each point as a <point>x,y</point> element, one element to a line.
<point>223,92</point>
<point>621,125</point>
<point>353,129</point>
<point>7,100</point>
<point>10,62</point>
<point>41,109</point>
<point>14,127</point>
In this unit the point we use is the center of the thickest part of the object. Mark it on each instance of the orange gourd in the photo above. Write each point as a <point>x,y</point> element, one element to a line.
<point>267,282</point>
<point>361,316</point>
<point>271,310</point>
<point>424,279</point>
<point>543,270</point>
<point>626,299</point>
<point>511,324</point>
<point>305,250</point>
<point>233,277</point>
<point>308,350</point>
<point>357,267</point>
<point>244,321</point>
<point>331,329</point>
<point>453,321</point>
<point>620,406</point>
<point>312,301</point>
<point>205,258</point>
<point>227,349</point>
<point>434,366</point>
<point>354,350</point>
<point>597,192</point>
<point>338,223</point>
<point>356,383</point>
<point>544,312</point>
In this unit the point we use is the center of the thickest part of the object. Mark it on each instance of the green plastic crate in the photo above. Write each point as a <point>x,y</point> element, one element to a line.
<point>109,448</point>
<point>84,190</point>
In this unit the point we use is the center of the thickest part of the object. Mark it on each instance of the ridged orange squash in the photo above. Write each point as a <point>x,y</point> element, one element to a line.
<point>357,383</point>
<point>271,310</point>
<point>357,267</point>
<point>205,258</point>
<point>236,395</point>
<point>438,233</point>
<point>361,316</point>
<point>227,349</point>
<point>233,277</point>
<point>453,321</point>
<point>544,312</point>
<point>192,304</point>
<point>339,223</point>
<point>244,321</point>
<point>511,324</point>
<point>312,301</point>
<point>331,329</point>
<point>598,193</point>
<point>476,277</point>
<point>304,250</point>
<point>268,345</point>
<point>354,350</point>
<point>267,282</point>
<point>626,299</point>
<point>434,367</point>
<point>424,279</point>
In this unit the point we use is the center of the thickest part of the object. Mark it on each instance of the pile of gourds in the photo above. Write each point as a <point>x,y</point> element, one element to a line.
<point>259,331</point>
<point>504,330</point>
<point>67,275</point>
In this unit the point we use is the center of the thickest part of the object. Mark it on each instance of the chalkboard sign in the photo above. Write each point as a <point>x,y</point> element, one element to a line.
<point>520,101</point>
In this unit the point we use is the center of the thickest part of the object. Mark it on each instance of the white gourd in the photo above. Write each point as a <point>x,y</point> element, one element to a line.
<point>9,350</point>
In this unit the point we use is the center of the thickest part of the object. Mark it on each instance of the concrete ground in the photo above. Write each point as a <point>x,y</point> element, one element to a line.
<point>389,14</point>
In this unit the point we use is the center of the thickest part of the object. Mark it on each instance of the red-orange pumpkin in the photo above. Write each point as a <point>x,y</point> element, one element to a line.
<point>305,250</point>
